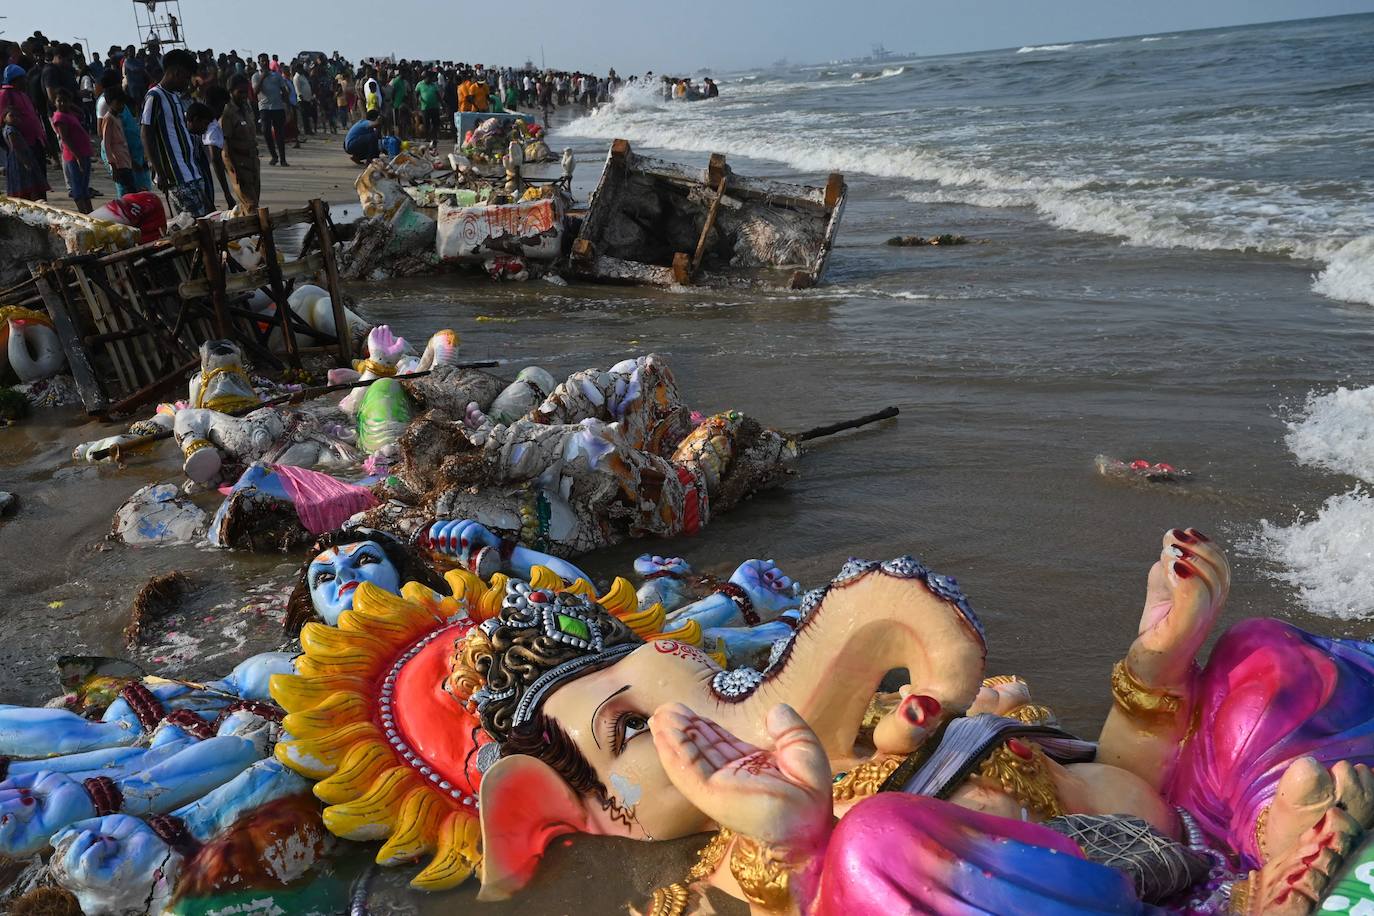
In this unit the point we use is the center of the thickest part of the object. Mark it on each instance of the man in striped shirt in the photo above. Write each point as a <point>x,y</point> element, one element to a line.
<point>170,147</point>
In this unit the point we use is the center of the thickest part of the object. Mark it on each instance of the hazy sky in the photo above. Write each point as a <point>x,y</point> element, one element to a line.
<point>637,36</point>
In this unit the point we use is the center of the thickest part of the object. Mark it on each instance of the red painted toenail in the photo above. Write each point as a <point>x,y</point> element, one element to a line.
<point>1020,748</point>
<point>1182,570</point>
<point>1181,535</point>
<point>1200,536</point>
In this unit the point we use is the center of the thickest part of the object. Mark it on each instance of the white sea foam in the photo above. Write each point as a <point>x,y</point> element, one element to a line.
<point>1029,49</point>
<point>1336,432</point>
<point>886,73</point>
<point>1329,559</point>
<point>1349,272</point>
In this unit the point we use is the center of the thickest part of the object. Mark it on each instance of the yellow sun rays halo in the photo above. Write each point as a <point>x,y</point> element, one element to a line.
<point>337,735</point>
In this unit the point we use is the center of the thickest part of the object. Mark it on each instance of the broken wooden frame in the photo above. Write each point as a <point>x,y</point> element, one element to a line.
<point>131,322</point>
<point>634,190</point>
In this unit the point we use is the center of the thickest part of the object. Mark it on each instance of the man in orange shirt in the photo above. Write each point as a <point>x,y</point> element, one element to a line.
<point>480,95</point>
<point>465,94</point>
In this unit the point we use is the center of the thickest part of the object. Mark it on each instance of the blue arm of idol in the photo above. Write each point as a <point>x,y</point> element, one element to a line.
<point>523,559</point>
<point>712,612</point>
<point>186,776</point>
<point>741,642</point>
<point>114,762</point>
<point>263,782</point>
<point>35,732</point>
<point>249,680</point>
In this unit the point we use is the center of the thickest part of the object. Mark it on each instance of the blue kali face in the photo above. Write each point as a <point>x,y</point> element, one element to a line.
<point>335,575</point>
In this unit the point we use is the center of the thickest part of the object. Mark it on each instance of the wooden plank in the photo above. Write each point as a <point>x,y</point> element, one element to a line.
<point>214,276</point>
<point>834,190</point>
<point>325,236</point>
<point>716,169</point>
<point>137,314</point>
<point>103,314</point>
<point>277,286</point>
<point>710,219</point>
<point>87,382</point>
<point>241,227</point>
<point>682,268</point>
<point>259,277</point>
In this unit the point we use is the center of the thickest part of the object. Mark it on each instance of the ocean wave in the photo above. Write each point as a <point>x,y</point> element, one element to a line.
<point>1029,49</point>
<point>886,73</point>
<point>1327,559</point>
<point>1349,273</point>
<point>1336,433</point>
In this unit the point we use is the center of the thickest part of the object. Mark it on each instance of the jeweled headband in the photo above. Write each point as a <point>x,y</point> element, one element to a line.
<point>540,641</point>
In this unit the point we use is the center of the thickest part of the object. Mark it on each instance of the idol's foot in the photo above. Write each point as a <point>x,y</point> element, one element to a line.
<point>1293,882</point>
<point>1307,792</point>
<point>1187,588</point>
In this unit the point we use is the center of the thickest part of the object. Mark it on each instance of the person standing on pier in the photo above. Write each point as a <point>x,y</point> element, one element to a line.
<point>241,146</point>
<point>170,146</point>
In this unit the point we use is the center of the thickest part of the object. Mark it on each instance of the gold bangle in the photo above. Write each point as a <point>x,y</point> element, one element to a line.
<point>1242,895</point>
<point>864,780</point>
<point>999,680</point>
<point>195,445</point>
<point>1135,699</point>
<point>710,857</point>
<point>762,877</point>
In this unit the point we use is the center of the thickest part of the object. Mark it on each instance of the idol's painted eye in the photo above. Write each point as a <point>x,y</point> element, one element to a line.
<point>366,558</point>
<point>321,577</point>
<point>627,726</point>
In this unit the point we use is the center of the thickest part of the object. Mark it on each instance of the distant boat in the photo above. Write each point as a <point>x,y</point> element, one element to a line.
<point>880,55</point>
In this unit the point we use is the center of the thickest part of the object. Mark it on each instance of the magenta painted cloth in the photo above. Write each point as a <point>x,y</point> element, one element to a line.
<point>323,503</point>
<point>895,854</point>
<point>1270,693</point>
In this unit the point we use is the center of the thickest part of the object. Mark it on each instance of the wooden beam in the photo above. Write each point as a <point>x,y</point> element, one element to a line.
<point>277,285</point>
<point>214,276</point>
<point>241,227</point>
<point>325,236</point>
<point>682,268</point>
<point>308,266</point>
<point>834,190</point>
<point>87,383</point>
<point>710,218</point>
<point>716,170</point>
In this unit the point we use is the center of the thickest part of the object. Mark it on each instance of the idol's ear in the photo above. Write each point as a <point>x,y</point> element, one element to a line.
<point>525,804</point>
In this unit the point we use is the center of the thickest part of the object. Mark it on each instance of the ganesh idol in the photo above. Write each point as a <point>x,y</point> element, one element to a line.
<point>1238,786</point>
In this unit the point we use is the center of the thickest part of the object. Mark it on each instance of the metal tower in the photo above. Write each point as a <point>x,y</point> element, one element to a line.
<point>160,21</point>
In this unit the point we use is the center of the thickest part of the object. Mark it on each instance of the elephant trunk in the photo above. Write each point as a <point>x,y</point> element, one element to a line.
<point>871,620</point>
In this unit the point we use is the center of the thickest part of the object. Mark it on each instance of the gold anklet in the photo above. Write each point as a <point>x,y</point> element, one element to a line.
<point>1135,699</point>
<point>1024,774</point>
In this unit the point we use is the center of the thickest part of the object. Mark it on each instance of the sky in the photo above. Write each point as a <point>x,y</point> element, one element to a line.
<point>633,35</point>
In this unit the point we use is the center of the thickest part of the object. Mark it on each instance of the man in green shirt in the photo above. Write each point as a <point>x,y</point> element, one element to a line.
<point>400,103</point>
<point>430,106</point>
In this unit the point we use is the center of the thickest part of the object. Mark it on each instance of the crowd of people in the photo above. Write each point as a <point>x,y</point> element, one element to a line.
<point>184,122</point>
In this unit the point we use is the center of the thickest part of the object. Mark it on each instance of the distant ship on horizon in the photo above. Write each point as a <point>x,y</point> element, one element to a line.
<point>879,55</point>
